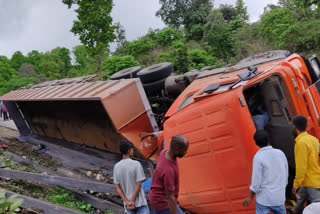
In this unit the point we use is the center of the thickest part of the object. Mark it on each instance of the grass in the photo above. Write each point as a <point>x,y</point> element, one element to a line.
<point>66,198</point>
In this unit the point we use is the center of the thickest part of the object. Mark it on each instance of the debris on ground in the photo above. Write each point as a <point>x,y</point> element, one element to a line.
<point>31,158</point>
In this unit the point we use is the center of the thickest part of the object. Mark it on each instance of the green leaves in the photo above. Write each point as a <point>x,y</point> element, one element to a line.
<point>289,27</point>
<point>94,26</point>
<point>10,205</point>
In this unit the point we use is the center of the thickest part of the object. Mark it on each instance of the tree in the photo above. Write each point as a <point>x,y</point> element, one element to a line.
<point>17,60</point>
<point>61,56</point>
<point>229,12</point>
<point>284,27</point>
<point>6,71</point>
<point>191,14</point>
<point>84,63</point>
<point>196,18</point>
<point>172,12</point>
<point>168,35</point>
<point>242,12</point>
<point>34,58</point>
<point>180,59</point>
<point>94,26</point>
<point>219,36</point>
<point>306,3</point>
<point>50,69</point>
<point>120,33</point>
<point>26,70</point>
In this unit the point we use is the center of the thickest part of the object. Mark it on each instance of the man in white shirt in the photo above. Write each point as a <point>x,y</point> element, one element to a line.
<point>269,177</point>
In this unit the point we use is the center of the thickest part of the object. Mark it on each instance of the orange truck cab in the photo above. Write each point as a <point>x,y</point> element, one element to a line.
<point>215,114</point>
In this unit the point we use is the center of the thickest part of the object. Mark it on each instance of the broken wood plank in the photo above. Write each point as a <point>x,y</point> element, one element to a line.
<point>59,181</point>
<point>47,208</point>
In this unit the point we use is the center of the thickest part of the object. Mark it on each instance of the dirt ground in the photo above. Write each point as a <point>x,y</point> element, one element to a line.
<point>8,137</point>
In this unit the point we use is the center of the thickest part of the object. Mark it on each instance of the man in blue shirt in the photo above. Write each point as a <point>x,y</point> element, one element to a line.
<point>260,119</point>
<point>269,177</point>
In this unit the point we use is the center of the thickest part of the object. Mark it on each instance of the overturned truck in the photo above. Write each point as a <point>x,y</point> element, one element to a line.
<point>212,108</point>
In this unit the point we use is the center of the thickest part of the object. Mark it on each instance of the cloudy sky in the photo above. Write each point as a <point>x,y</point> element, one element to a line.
<point>42,25</point>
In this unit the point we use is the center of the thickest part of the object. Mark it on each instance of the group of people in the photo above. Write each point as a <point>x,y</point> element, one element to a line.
<point>128,176</point>
<point>270,174</point>
<point>268,183</point>
<point>3,111</point>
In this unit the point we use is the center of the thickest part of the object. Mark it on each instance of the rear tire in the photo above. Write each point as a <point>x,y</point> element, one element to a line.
<point>154,86</point>
<point>174,85</point>
<point>155,72</point>
<point>127,73</point>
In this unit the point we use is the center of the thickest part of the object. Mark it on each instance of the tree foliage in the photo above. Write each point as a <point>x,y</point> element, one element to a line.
<point>287,28</point>
<point>190,14</point>
<point>218,36</point>
<point>94,26</point>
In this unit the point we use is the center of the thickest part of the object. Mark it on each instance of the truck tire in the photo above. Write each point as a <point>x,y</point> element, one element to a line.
<point>191,75</point>
<point>206,68</point>
<point>154,86</point>
<point>155,72</point>
<point>126,73</point>
<point>174,85</point>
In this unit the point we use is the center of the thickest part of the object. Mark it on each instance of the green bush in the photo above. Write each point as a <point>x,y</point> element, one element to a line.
<point>180,57</point>
<point>139,47</point>
<point>164,57</point>
<point>199,58</point>
<point>116,63</point>
<point>15,83</point>
<point>168,35</point>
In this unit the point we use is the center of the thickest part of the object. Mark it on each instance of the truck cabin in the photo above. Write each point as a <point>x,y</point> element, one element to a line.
<point>219,115</point>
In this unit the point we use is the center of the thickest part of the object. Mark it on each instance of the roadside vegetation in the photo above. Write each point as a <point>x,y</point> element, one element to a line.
<point>54,195</point>
<point>197,34</point>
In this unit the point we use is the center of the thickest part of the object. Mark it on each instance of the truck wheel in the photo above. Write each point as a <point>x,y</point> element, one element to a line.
<point>155,72</point>
<point>174,85</point>
<point>191,75</point>
<point>154,86</point>
<point>126,73</point>
<point>206,68</point>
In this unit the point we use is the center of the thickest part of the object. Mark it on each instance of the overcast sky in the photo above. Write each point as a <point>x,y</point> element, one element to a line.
<point>42,25</point>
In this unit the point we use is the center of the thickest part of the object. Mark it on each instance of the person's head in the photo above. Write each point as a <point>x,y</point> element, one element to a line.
<point>261,138</point>
<point>179,146</point>
<point>299,124</point>
<point>126,148</point>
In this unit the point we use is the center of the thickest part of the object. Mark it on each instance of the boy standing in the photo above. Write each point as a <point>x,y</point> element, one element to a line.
<point>128,176</point>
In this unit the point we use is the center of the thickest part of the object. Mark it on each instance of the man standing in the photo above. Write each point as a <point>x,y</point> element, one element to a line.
<point>128,176</point>
<point>1,109</point>
<point>165,182</point>
<point>4,112</point>
<point>269,177</point>
<point>307,177</point>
